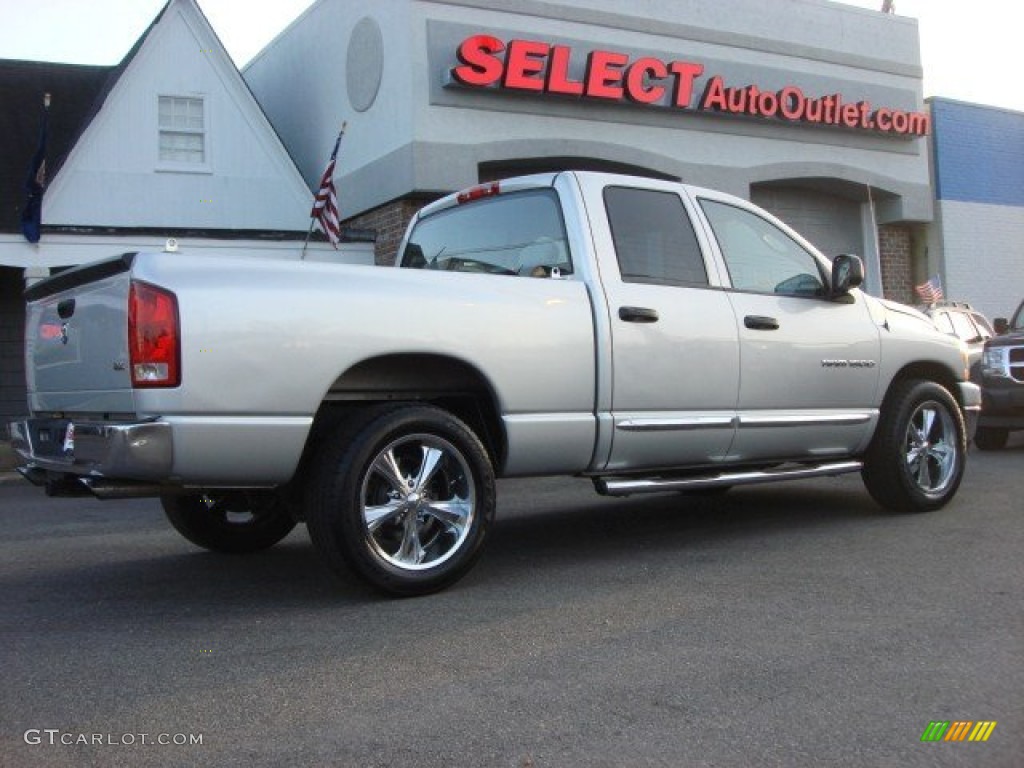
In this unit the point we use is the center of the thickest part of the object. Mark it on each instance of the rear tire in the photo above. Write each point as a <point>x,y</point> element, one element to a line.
<point>991,438</point>
<point>916,459</point>
<point>403,497</point>
<point>235,522</point>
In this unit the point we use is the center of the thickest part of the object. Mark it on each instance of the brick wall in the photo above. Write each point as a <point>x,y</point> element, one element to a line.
<point>12,360</point>
<point>389,221</point>
<point>897,268</point>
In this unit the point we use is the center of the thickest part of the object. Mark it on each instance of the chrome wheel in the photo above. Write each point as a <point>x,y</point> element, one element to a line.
<point>931,447</point>
<point>417,502</point>
<point>403,496</point>
<point>915,461</point>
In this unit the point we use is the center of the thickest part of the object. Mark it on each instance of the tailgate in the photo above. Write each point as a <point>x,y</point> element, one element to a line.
<point>76,340</point>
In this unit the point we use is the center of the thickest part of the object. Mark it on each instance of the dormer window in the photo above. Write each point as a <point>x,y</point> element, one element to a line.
<point>182,125</point>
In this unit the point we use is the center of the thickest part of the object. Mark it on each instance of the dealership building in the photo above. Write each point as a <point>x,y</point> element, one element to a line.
<point>811,109</point>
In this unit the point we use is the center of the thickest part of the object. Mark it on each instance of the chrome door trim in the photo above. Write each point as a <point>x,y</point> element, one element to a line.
<point>808,419</point>
<point>686,424</point>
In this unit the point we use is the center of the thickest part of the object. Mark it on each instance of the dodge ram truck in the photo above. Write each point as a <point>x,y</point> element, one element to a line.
<point>650,335</point>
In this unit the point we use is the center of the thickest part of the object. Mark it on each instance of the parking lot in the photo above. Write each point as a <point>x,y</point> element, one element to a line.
<point>786,625</point>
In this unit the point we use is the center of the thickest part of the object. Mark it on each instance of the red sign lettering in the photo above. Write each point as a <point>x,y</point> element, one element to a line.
<point>531,65</point>
<point>558,73</point>
<point>641,79</point>
<point>685,73</point>
<point>480,67</point>
<point>525,60</point>
<point>541,68</point>
<point>604,74</point>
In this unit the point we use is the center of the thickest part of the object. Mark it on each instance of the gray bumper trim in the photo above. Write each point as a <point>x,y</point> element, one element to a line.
<point>128,451</point>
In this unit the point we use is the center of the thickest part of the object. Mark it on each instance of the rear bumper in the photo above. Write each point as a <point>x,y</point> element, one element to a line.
<point>128,451</point>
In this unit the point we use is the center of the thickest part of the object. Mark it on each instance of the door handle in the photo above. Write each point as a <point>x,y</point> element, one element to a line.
<point>761,323</point>
<point>638,314</point>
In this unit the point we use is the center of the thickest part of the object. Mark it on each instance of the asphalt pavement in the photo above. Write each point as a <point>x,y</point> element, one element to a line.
<point>786,625</point>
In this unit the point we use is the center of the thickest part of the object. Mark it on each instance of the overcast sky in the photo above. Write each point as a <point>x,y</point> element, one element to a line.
<point>971,49</point>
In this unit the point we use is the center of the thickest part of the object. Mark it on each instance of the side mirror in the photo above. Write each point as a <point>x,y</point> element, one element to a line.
<point>1000,325</point>
<point>847,273</point>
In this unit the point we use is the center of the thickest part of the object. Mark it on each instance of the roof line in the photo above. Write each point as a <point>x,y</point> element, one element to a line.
<point>252,95</point>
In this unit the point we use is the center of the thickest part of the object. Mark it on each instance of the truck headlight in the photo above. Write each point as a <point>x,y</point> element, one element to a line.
<point>996,361</point>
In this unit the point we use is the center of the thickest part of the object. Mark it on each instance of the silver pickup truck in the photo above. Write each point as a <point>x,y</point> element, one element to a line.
<point>650,335</point>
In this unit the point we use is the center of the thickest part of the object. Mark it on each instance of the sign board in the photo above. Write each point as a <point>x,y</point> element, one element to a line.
<point>553,70</point>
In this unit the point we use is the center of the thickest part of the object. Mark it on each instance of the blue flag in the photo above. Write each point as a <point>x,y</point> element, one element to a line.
<point>35,182</point>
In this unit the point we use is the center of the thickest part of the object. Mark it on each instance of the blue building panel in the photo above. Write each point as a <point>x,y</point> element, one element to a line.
<point>979,153</point>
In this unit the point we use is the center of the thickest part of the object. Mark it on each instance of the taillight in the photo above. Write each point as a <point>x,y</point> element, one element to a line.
<point>154,337</point>
<point>475,193</point>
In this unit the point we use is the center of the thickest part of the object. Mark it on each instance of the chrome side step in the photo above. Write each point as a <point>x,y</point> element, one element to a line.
<point>624,486</point>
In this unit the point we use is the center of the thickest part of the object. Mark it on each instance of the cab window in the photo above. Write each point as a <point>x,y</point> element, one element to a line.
<point>654,239</point>
<point>760,257</point>
<point>521,233</point>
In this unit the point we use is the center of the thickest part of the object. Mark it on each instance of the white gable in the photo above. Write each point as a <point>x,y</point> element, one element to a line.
<point>114,175</point>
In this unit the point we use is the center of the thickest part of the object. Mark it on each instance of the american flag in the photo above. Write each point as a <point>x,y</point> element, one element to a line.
<point>930,291</point>
<point>325,205</point>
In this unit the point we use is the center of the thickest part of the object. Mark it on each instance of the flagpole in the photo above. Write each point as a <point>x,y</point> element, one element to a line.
<point>312,219</point>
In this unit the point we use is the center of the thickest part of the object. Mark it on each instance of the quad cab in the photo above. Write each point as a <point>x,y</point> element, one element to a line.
<point>650,335</point>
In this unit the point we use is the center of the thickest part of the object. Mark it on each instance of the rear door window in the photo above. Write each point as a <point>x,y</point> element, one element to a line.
<point>654,238</point>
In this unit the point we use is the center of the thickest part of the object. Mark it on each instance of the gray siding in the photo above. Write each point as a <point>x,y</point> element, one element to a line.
<point>983,248</point>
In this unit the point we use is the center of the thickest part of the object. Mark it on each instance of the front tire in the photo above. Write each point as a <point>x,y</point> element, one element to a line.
<point>234,522</point>
<point>916,460</point>
<point>403,497</point>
